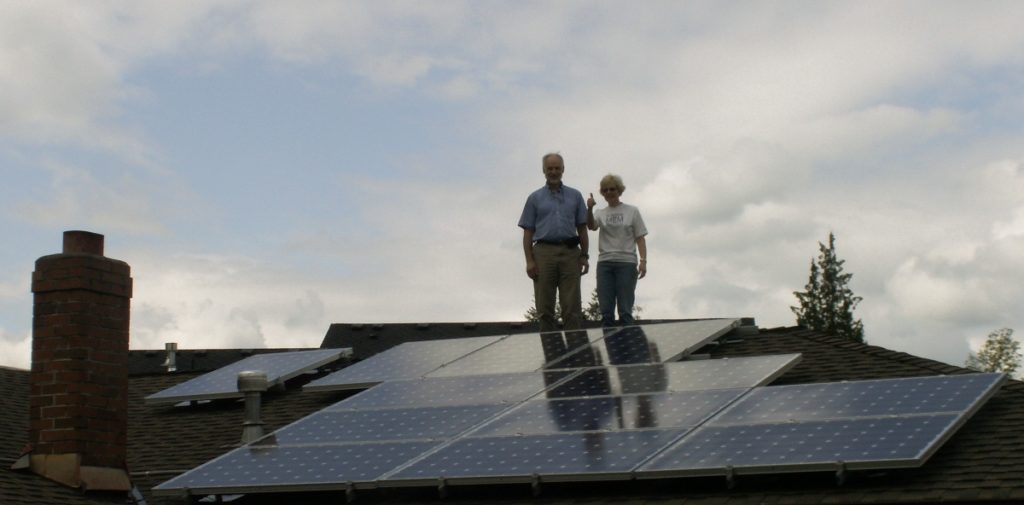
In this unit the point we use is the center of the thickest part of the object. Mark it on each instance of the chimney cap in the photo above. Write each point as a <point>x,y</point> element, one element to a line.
<point>83,242</point>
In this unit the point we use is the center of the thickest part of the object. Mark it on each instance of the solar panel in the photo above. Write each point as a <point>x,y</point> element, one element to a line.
<point>610,413</point>
<point>565,456</point>
<point>652,343</point>
<point>344,426</point>
<point>504,389</point>
<point>816,445</point>
<point>223,382</point>
<point>722,373</point>
<point>888,423</point>
<point>918,395</point>
<point>521,353</point>
<point>406,361</point>
<point>298,467</point>
<point>595,347</point>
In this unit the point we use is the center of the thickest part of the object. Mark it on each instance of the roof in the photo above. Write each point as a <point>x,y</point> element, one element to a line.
<point>982,463</point>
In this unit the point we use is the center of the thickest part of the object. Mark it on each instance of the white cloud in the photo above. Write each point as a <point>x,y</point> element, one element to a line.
<point>15,349</point>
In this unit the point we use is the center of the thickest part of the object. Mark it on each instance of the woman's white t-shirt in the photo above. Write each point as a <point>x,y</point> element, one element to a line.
<point>620,227</point>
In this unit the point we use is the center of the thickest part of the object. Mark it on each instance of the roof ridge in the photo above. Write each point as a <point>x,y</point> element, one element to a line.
<point>874,350</point>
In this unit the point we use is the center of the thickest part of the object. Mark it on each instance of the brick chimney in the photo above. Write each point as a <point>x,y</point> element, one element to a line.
<point>78,399</point>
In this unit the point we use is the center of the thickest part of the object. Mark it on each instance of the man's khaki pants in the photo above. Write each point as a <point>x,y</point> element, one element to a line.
<point>558,269</point>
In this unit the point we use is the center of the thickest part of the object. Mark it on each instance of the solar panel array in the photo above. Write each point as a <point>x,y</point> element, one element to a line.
<point>223,382</point>
<point>630,416</point>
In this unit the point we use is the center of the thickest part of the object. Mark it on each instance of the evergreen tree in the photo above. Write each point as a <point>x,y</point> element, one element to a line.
<point>1000,353</point>
<point>827,302</point>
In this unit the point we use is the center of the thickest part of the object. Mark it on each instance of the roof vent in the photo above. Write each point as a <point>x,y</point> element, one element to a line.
<point>171,363</point>
<point>252,383</point>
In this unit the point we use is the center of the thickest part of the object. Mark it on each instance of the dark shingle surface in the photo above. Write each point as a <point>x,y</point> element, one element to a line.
<point>982,463</point>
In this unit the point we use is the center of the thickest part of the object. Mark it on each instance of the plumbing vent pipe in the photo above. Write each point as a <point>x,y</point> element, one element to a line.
<point>171,363</point>
<point>252,383</point>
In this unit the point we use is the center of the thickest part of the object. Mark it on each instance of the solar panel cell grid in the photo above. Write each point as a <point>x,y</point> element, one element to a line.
<point>858,399</point>
<point>503,389</point>
<point>764,446</point>
<point>609,413</point>
<point>342,426</point>
<point>296,466</point>
<point>588,454</point>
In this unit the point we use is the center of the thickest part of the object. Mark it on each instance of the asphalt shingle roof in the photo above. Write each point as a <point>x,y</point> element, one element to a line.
<point>982,463</point>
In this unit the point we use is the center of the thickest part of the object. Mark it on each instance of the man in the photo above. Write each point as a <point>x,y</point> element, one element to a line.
<point>554,223</point>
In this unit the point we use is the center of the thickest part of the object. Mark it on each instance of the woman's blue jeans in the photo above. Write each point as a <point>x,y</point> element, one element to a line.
<point>616,288</point>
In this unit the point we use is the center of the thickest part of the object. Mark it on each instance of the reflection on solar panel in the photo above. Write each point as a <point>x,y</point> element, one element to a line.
<point>615,421</point>
<point>223,382</point>
<point>610,413</point>
<point>585,348</point>
<point>869,424</point>
<point>521,353</point>
<point>406,361</point>
<point>528,353</point>
<point>507,389</point>
<point>651,343</point>
<point>677,376</point>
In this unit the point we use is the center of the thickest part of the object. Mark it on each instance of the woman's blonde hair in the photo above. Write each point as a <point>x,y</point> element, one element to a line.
<point>613,180</point>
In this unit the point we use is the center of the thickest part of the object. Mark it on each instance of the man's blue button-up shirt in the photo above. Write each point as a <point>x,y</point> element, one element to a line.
<point>554,215</point>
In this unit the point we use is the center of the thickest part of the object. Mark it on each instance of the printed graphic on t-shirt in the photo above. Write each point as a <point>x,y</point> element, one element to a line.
<point>616,219</point>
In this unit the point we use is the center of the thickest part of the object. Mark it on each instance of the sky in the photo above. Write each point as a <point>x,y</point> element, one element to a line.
<point>268,168</point>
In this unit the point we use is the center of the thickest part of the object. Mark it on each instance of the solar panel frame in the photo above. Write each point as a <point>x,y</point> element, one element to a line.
<point>223,382</point>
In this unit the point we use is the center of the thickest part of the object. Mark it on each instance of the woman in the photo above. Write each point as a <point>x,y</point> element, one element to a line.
<point>622,235</point>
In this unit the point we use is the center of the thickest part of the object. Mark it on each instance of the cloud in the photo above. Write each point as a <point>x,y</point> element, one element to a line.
<point>76,195</point>
<point>15,349</point>
<point>744,137</point>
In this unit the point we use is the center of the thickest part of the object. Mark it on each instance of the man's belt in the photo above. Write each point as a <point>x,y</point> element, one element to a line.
<point>571,243</point>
